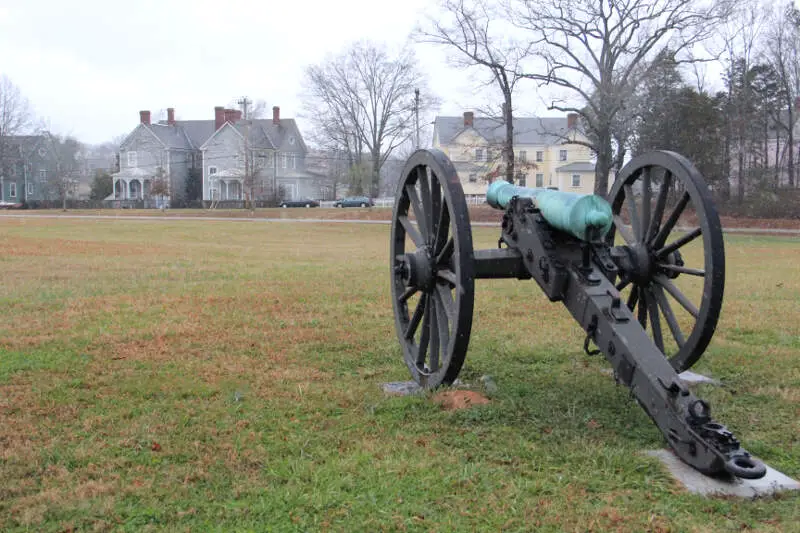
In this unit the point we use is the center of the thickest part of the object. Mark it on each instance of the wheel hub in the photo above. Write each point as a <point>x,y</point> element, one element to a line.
<point>417,269</point>
<point>636,262</point>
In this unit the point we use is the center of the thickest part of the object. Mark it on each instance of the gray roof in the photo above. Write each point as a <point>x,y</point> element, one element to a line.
<point>171,136</point>
<point>576,167</point>
<point>527,130</point>
<point>198,131</point>
<point>268,135</point>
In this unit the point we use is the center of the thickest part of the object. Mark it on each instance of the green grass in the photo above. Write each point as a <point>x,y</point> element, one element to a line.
<point>225,376</point>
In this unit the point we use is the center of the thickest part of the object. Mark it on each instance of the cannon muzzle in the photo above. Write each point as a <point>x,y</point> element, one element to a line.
<point>585,216</point>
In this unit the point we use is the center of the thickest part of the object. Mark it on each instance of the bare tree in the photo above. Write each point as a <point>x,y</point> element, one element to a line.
<point>64,153</point>
<point>15,119</point>
<point>473,30</point>
<point>365,96</point>
<point>782,53</point>
<point>597,51</point>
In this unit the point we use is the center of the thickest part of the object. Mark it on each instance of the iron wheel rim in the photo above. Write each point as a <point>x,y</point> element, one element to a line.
<point>678,173</point>
<point>434,337</point>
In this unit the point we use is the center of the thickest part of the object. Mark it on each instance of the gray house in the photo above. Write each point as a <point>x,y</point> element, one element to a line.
<point>236,159</point>
<point>27,165</point>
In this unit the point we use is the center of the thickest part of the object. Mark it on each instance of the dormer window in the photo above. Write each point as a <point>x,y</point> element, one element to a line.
<point>480,154</point>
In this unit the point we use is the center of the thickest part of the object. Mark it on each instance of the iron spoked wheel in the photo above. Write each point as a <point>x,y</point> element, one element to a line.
<point>432,269</point>
<point>672,258</point>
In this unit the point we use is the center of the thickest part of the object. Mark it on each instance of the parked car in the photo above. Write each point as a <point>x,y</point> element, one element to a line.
<point>354,201</point>
<point>300,202</point>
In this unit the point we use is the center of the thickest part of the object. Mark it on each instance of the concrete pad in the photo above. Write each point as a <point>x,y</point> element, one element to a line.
<point>698,483</point>
<point>401,388</point>
<point>689,377</point>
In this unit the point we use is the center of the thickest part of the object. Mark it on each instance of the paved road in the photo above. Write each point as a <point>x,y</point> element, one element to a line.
<point>305,220</point>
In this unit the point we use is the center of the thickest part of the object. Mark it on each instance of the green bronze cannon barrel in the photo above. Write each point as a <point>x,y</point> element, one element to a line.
<point>580,215</point>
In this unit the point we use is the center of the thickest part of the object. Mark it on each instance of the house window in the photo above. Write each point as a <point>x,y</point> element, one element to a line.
<point>42,152</point>
<point>576,180</point>
<point>30,188</point>
<point>291,140</point>
<point>562,155</point>
<point>132,159</point>
<point>473,178</point>
<point>540,180</point>
<point>539,157</point>
<point>294,160</point>
<point>523,156</point>
<point>212,171</point>
<point>480,155</point>
<point>43,174</point>
<point>12,190</point>
<point>521,181</point>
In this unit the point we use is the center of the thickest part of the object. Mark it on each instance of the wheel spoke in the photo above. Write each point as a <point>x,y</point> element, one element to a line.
<point>646,193</point>
<point>623,230</point>
<point>409,292</point>
<point>677,243</point>
<point>436,208</point>
<point>448,276</point>
<point>642,315</point>
<point>661,238</point>
<point>411,231</point>
<point>672,322</point>
<point>655,321</point>
<point>446,299</point>
<point>633,297</point>
<point>683,270</point>
<point>442,229</point>
<point>444,319</point>
<point>633,213</point>
<point>446,252</point>
<point>411,329</point>
<point>677,294</point>
<point>433,360</point>
<point>661,202</point>
<point>425,196</point>
<point>424,336</point>
<point>419,211</point>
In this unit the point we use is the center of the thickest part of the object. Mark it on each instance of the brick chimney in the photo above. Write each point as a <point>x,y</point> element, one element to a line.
<point>572,120</point>
<point>469,119</point>
<point>144,117</point>
<point>276,115</point>
<point>237,115</point>
<point>797,102</point>
<point>171,116</point>
<point>219,117</point>
<point>229,114</point>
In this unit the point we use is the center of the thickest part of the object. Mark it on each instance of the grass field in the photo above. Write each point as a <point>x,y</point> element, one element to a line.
<point>225,376</point>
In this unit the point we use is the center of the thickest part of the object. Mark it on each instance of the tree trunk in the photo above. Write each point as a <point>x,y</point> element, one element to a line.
<point>604,161</point>
<point>376,173</point>
<point>740,184</point>
<point>508,145</point>
<point>791,146</point>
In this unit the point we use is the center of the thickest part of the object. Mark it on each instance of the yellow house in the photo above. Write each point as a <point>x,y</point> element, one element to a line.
<point>543,157</point>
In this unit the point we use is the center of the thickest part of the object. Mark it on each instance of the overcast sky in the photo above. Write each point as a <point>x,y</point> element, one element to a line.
<point>89,66</point>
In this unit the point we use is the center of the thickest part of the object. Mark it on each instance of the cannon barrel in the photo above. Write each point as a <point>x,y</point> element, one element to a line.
<point>585,216</point>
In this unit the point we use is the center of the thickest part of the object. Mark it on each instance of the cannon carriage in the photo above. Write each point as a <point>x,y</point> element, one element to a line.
<point>614,264</point>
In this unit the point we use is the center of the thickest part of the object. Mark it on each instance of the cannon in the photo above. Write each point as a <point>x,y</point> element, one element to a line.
<point>646,289</point>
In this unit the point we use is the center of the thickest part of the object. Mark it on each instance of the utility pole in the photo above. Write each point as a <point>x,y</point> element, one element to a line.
<point>416,113</point>
<point>244,103</point>
<point>249,180</point>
